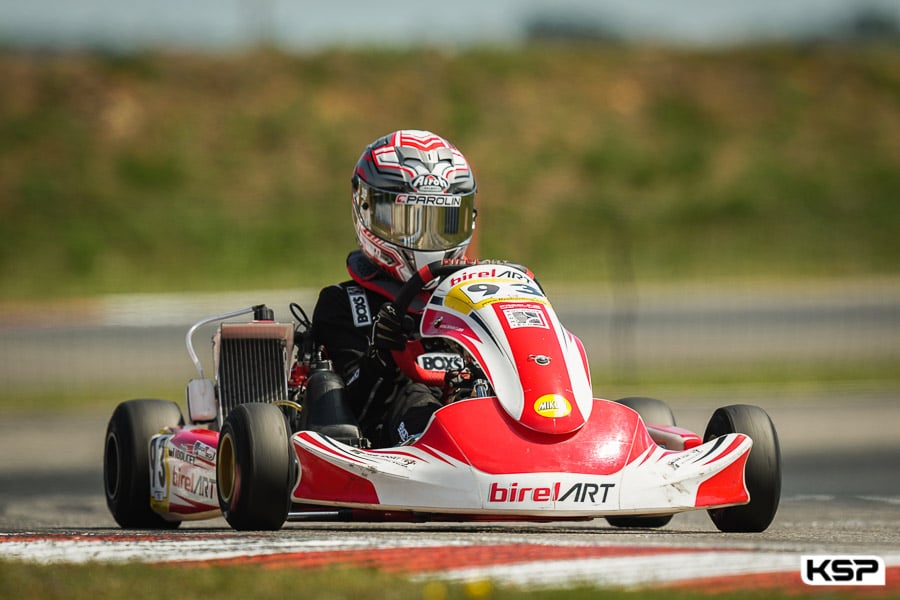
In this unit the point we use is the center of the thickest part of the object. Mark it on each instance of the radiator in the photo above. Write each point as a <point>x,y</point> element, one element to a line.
<point>252,363</point>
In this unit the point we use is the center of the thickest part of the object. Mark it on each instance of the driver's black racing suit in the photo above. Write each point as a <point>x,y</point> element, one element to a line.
<point>389,407</point>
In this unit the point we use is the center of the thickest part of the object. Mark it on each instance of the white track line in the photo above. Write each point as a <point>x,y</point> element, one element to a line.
<point>625,570</point>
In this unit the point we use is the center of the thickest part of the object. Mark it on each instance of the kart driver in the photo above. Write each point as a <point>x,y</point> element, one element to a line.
<point>413,202</point>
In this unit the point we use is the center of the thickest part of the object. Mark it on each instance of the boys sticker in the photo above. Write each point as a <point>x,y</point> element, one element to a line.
<point>359,306</point>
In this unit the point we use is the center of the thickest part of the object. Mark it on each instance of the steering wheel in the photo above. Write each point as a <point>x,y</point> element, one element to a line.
<point>406,359</point>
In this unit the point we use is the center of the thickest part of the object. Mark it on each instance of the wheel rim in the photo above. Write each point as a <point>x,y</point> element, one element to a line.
<point>225,468</point>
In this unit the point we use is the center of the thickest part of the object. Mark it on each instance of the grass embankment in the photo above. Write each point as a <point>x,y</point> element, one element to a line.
<point>596,165</point>
<point>189,172</point>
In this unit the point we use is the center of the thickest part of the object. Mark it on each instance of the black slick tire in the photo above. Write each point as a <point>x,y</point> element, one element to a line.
<point>762,473</point>
<point>126,460</point>
<point>254,468</point>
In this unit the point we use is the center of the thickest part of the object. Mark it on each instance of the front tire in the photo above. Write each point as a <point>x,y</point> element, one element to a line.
<point>653,412</point>
<point>253,469</point>
<point>762,473</point>
<point>126,460</point>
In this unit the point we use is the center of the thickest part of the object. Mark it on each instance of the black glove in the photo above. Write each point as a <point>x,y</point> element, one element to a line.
<point>390,329</point>
<point>390,332</point>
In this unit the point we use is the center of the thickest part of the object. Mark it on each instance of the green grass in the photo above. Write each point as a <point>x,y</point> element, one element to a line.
<point>784,380</point>
<point>160,172</point>
<point>137,582</point>
<point>55,396</point>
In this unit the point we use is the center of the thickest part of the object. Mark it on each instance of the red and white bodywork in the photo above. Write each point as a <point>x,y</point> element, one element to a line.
<point>611,465</point>
<point>543,446</point>
<point>183,473</point>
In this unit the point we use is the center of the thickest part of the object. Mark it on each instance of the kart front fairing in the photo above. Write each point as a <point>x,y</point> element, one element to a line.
<point>542,446</point>
<point>537,369</point>
<point>474,459</point>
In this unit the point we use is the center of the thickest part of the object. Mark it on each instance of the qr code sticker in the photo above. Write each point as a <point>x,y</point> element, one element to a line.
<point>524,317</point>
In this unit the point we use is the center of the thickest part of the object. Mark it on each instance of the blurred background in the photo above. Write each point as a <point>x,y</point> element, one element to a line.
<point>707,190</point>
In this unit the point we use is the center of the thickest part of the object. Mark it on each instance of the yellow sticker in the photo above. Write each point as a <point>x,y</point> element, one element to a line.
<point>474,294</point>
<point>552,406</point>
<point>458,301</point>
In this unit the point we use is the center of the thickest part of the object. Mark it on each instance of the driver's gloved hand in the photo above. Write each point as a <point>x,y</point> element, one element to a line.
<point>390,332</point>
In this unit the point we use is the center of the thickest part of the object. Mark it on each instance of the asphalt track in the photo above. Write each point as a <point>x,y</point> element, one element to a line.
<point>841,450</point>
<point>841,495</point>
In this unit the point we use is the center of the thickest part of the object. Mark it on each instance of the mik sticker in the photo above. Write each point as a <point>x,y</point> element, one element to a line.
<point>359,306</point>
<point>553,406</point>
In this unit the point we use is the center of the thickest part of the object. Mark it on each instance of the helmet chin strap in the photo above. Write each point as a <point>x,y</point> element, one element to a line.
<point>420,258</point>
<point>416,259</point>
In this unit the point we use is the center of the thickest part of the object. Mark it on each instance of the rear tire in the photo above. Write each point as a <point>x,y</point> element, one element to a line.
<point>762,473</point>
<point>126,460</point>
<point>254,468</point>
<point>653,412</point>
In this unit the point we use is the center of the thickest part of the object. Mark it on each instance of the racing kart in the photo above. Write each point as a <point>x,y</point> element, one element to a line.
<point>521,436</point>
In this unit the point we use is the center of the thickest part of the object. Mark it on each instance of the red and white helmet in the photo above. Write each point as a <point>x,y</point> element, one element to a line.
<point>413,201</point>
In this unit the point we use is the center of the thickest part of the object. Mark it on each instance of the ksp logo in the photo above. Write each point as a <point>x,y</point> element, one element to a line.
<point>842,570</point>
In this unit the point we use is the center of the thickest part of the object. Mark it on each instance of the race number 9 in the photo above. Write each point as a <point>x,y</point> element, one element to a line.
<point>478,292</point>
<point>485,289</point>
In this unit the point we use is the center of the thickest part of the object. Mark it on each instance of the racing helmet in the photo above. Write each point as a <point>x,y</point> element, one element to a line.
<point>413,201</point>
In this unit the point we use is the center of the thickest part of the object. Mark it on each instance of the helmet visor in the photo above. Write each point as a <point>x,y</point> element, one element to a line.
<point>418,221</point>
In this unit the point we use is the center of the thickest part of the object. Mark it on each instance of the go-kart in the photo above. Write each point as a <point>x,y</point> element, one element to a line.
<point>270,440</point>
